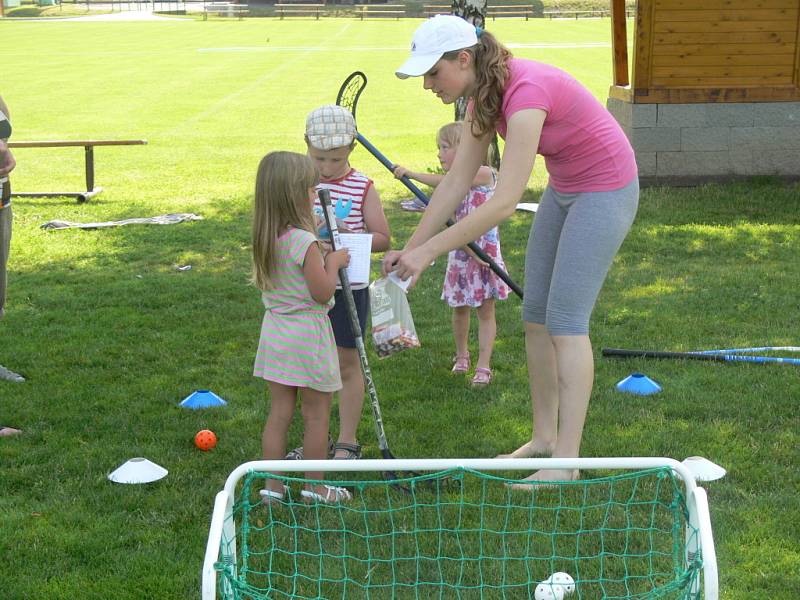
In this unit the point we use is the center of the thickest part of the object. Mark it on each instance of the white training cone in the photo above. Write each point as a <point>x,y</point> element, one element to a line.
<point>138,470</point>
<point>703,469</point>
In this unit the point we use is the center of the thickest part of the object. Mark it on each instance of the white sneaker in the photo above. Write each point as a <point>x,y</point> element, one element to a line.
<point>10,375</point>
<point>412,205</point>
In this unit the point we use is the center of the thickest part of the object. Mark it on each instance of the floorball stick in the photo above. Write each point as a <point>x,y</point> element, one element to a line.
<point>716,357</point>
<point>348,96</point>
<point>347,292</point>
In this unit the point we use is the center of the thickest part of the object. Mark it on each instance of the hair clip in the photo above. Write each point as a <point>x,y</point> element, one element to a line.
<point>478,31</point>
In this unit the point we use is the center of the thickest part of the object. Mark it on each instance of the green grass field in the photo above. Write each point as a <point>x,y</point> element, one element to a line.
<point>112,337</point>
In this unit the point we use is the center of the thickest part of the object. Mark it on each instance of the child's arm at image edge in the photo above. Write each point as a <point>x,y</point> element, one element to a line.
<point>482,178</point>
<point>431,179</point>
<point>375,220</point>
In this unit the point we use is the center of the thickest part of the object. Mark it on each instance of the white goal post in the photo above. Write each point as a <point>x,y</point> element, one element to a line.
<point>223,526</point>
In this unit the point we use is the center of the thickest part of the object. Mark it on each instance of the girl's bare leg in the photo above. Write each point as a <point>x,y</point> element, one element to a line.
<point>461,318</point>
<point>351,396</point>
<point>316,409</point>
<point>273,437</point>
<point>487,332</point>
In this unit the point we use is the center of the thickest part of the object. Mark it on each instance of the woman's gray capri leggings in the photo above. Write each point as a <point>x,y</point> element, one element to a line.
<point>572,243</point>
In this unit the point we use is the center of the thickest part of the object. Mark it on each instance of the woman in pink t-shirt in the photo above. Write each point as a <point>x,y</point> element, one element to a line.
<point>584,213</point>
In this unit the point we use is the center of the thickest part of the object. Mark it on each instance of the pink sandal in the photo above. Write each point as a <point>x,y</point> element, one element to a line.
<point>461,363</point>
<point>483,377</point>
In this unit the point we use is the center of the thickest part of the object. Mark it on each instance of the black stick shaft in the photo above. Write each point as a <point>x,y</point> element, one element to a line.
<point>347,292</point>
<point>620,353</point>
<point>423,198</point>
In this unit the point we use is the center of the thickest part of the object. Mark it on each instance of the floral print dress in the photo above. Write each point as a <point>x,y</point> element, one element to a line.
<point>466,282</point>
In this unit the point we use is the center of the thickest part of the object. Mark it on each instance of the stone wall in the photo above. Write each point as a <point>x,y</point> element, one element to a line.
<point>689,144</point>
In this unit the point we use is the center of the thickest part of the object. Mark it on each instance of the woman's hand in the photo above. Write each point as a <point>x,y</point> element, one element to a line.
<point>389,260</point>
<point>407,263</point>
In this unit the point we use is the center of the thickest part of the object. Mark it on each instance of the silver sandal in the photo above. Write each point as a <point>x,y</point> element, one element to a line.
<point>270,496</point>
<point>333,495</point>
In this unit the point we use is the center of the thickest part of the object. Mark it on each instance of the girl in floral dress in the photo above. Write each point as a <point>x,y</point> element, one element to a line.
<point>469,282</point>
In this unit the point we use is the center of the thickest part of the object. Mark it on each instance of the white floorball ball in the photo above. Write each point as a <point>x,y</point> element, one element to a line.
<point>564,580</point>
<point>547,591</point>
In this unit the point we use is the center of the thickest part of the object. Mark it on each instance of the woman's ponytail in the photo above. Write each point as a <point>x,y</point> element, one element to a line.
<point>491,73</point>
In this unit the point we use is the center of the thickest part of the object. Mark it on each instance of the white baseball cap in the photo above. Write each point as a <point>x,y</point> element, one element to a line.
<point>442,33</point>
<point>329,127</point>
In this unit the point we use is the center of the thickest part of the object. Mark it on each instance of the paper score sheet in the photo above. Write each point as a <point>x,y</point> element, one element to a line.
<point>360,247</point>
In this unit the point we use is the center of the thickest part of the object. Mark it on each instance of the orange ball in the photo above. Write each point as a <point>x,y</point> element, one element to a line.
<point>205,439</point>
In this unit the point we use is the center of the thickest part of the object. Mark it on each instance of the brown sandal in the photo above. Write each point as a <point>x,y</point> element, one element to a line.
<point>461,363</point>
<point>297,453</point>
<point>352,451</point>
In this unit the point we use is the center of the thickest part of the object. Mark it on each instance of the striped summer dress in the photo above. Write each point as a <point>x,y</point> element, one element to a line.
<point>296,346</point>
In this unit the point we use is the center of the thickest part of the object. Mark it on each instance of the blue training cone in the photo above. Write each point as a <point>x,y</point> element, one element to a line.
<point>202,399</point>
<point>638,383</point>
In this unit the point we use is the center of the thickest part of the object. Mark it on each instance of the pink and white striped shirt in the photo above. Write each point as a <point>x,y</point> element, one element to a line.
<point>352,187</point>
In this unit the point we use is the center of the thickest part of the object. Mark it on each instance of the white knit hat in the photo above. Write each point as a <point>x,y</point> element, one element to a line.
<point>329,127</point>
<point>442,33</point>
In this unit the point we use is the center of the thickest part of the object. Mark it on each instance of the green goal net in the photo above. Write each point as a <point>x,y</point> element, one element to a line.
<point>461,533</point>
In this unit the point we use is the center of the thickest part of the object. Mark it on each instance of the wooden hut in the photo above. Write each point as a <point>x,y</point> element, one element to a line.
<point>713,88</point>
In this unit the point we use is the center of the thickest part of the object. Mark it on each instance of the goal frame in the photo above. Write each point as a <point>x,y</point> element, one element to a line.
<point>696,498</point>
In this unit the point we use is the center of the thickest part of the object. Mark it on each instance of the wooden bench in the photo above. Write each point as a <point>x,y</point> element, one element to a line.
<point>224,9</point>
<point>298,9</point>
<point>431,10</point>
<point>88,146</point>
<point>563,14</point>
<point>380,10</point>
<point>511,10</point>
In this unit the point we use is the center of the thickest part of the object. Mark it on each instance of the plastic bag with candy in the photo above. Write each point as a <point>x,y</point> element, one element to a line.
<point>392,324</point>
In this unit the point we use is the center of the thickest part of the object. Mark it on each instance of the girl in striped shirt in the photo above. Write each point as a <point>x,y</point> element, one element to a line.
<point>296,350</point>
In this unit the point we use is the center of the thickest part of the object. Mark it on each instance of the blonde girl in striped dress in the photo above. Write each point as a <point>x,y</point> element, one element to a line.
<point>296,351</point>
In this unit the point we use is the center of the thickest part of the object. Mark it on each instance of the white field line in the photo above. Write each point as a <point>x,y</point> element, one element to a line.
<point>381,49</point>
<point>271,74</point>
<point>125,15</point>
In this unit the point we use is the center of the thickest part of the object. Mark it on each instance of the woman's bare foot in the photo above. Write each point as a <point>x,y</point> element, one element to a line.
<point>532,449</point>
<point>545,478</point>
